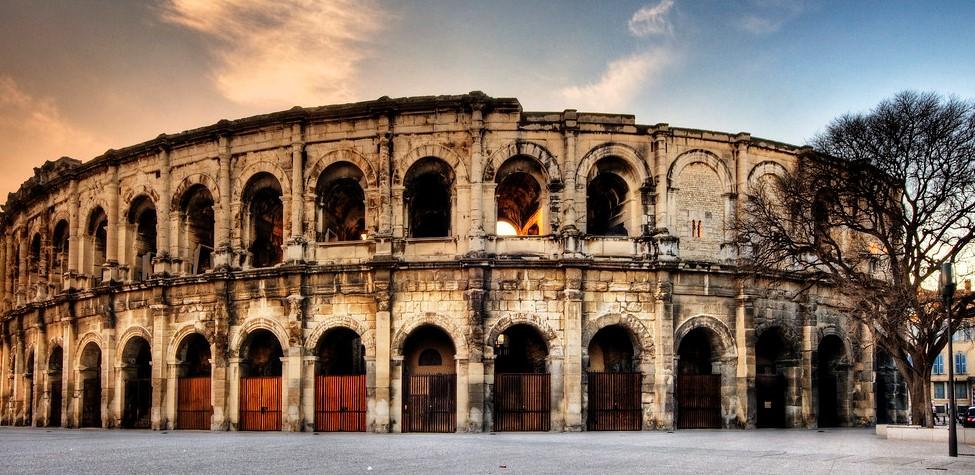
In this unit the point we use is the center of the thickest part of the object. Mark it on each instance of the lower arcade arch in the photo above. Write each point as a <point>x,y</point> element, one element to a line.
<point>260,382</point>
<point>340,382</point>
<point>522,381</point>
<point>698,387</point>
<point>55,370</point>
<point>613,381</point>
<point>136,373</point>
<point>775,368</point>
<point>90,375</point>
<point>429,381</point>
<point>194,407</point>
<point>832,383</point>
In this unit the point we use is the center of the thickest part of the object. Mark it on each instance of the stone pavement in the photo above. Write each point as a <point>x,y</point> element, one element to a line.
<point>24,450</point>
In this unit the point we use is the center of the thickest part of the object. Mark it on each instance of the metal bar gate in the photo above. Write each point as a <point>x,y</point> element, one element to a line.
<point>698,401</point>
<point>522,402</point>
<point>615,401</point>
<point>193,406</point>
<point>430,403</point>
<point>260,403</point>
<point>340,403</point>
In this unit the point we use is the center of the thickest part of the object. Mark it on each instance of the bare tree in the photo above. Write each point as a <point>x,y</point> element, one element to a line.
<point>884,199</point>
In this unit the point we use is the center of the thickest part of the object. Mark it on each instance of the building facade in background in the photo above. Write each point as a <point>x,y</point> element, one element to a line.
<point>445,263</point>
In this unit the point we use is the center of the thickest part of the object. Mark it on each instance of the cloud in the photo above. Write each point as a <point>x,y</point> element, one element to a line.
<point>620,83</point>
<point>284,52</point>
<point>651,19</point>
<point>32,131</point>
<point>769,16</point>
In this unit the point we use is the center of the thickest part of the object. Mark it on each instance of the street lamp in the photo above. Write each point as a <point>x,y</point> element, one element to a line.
<point>947,284</point>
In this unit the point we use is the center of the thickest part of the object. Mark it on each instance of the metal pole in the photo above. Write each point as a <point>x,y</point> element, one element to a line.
<point>952,433</point>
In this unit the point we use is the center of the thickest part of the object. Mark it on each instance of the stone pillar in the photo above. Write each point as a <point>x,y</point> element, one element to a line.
<point>295,250</point>
<point>463,393</point>
<point>395,389</point>
<point>381,403</point>
<point>291,389</point>
<point>745,375</point>
<point>386,229</point>
<point>74,238</point>
<point>24,268</point>
<point>110,269</point>
<point>664,352</point>
<point>159,416</point>
<point>222,373</point>
<point>660,165</point>
<point>476,245</point>
<point>488,393</point>
<point>223,255</point>
<point>109,370</point>
<point>571,132</point>
<point>308,376</point>
<point>168,418</point>
<point>230,397</point>
<point>68,369</point>
<point>8,276</point>
<point>161,263</point>
<point>572,365</point>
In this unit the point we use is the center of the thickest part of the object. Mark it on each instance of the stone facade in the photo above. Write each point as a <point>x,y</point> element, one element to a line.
<point>261,237</point>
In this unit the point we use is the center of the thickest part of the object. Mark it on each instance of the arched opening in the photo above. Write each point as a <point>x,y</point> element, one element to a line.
<point>260,382</point>
<point>196,225</point>
<point>55,368</point>
<point>59,255</point>
<point>606,205</point>
<point>90,369</point>
<point>773,359</point>
<point>340,204</point>
<point>96,240</point>
<point>522,383</point>
<point>340,382</point>
<point>699,200</point>
<point>698,390</point>
<point>34,260</point>
<point>136,373</point>
<point>429,381</point>
<point>831,372</point>
<point>519,196</point>
<point>194,407</point>
<point>141,224</point>
<point>429,192</point>
<point>613,382</point>
<point>29,390</point>
<point>264,223</point>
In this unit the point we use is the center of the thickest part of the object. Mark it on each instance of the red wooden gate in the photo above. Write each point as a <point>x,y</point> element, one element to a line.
<point>260,403</point>
<point>430,403</point>
<point>340,403</point>
<point>698,401</point>
<point>193,407</point>
<point>615,401</point>
<point>522,402</point>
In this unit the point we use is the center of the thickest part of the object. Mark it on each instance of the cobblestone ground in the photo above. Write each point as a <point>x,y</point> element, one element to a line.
<point>25,450</point>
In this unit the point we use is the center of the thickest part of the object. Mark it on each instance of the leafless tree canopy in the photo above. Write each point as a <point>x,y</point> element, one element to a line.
<point>886,197</point>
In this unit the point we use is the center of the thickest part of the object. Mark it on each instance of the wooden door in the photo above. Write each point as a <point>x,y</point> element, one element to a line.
<point>522,402</point>
<point>615,401</point>
<point>260,403</point>
<point>698,401</point>
<point>56,398</point>
<point>770,397</point>
<point>193,403</point>
<point>91,403</point>
<point>430,403</point>
<point>340,403</point>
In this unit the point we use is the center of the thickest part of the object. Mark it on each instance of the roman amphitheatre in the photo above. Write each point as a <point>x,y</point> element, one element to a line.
<point>424,264</point>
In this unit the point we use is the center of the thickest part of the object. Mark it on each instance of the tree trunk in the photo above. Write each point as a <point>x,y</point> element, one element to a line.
<point>919,388</point>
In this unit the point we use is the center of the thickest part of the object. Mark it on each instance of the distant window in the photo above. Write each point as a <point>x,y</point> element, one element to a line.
<point>961,390</point>
<point>961,363</point>
<point>939,390</point>
<point>430,357</point>
<point>939,365</point>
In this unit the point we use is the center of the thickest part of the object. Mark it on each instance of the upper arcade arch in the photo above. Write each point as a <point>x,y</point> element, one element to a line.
<point>707,158</point>
<point>634,159</point>
<point>347,155</point>
<point>441,152</point>
<point>547,163</point>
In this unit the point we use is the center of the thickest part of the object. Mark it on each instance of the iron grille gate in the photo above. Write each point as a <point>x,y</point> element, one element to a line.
<point>522,402</point>
<point>430,403</point>
<point>260,403</point>
<point>698,401</point>
<point>193,407</point>
<point>615,401</point>
<point>340,403</point>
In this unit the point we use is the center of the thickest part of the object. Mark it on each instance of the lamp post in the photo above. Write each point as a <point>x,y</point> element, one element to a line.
<point>947,292</point>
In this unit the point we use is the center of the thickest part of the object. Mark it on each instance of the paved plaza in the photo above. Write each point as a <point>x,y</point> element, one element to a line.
<point>758,451</point>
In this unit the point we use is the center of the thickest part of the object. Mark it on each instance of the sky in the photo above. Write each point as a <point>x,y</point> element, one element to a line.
<point>80,77</point>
